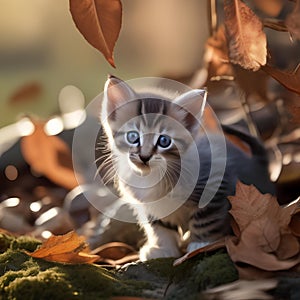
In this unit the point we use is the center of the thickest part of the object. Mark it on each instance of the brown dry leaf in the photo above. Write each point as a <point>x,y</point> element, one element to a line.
<point>211,247</point>
<point>293,22</point>
<point>290,80</point>
<point>294,224</point>
<point>249,272</point>
<point>49,156</point>
<point>247,42</point>
<point>253,255</point>
<point>265,240</point>
<point>68,248</point>
<point>116,253</point>
<point>247,204</point>
<point>99,21</point>
<point>289,247</point>
<point>26,93</point>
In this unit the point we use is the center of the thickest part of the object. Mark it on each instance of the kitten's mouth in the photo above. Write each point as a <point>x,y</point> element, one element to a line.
<point>141,168</point>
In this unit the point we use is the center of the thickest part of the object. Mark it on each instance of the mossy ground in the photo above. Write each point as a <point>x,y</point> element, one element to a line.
<point>23,277</point>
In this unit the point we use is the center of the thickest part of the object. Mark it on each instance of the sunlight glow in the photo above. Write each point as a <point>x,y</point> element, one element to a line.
<point>11,202</point>
<point>54,126</point>
<point>46,234</point>
<point>25,127</point>
<point>35,206</point>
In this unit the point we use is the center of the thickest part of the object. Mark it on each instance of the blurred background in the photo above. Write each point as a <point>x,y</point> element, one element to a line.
<point>41,49</point>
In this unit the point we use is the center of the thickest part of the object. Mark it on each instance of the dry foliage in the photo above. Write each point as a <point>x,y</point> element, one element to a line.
<point>116,253</point>
<point>27,92</point>
<point>265,239</point>
<point>49,156</point>
<point>69,248</point>
<point>247,43</point>
<point>99,21</point>
<point>266,235</point>
<point>291,80</point>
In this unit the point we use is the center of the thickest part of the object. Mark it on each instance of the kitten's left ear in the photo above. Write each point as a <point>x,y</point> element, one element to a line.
<point>193,101</point>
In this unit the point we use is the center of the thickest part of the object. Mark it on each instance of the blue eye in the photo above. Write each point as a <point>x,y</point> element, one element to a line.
<point>133,137</point>
<point>164,141</point>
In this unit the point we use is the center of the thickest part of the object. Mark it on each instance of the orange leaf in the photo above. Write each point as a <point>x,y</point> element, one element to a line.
<point>68,248</point>
<point>246,40</point>
<point>99,21</point>
<point>26,92</point>
<point>290,80</point>
<point>50,156</point>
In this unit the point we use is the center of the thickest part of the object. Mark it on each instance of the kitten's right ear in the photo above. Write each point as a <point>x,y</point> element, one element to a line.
<point>116,92</point>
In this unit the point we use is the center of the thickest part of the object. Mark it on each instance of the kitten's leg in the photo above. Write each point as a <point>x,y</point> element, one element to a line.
<point>209,224</point>
<point>161,242</point>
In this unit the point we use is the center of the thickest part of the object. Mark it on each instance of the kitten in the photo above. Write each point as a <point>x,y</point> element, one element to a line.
<point>174,173</point>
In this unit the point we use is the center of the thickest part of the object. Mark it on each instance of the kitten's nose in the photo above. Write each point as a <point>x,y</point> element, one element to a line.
<point>145,158</point>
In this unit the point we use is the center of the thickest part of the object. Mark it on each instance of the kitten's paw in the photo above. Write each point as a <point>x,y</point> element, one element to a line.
<point>196,245</point>
<point>150,252</point>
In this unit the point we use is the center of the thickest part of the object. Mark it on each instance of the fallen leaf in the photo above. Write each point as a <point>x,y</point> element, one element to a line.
<point>294,224</point>
<point>292,22</point>
<point>251,254</point>
<point>249,272</point>
<point>247,204</point>
<point>68,248</point>
<point>289,247</point>
<point>26,93</point>
<point>211,247</point>
<point>265,239</point>
<point>247,42</point>
<point>49,156</point>
<point>290,80</point>
<point>116,253</point>
<point>99,21</point>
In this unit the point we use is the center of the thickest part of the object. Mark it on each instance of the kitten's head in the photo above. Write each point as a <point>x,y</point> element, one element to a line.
<point>147,130</point>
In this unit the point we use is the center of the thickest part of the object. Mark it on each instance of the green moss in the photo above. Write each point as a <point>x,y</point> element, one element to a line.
<point>21,242</point>
<point>215,270</point>
<point>5,242</point>
<point>200,273</point>
<point>25,243</point>
<point>162,267</point>
<point>24,277</point>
